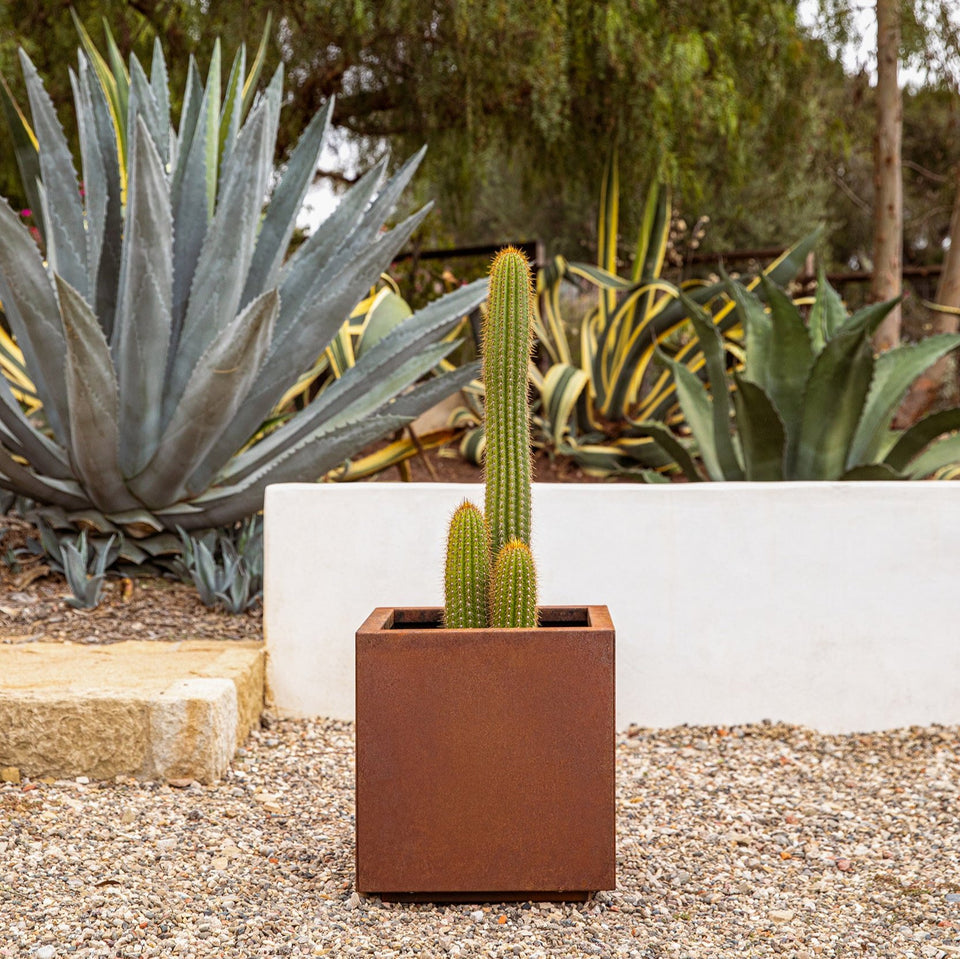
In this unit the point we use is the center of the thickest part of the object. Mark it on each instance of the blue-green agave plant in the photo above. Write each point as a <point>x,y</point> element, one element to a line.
<point>163,318</point>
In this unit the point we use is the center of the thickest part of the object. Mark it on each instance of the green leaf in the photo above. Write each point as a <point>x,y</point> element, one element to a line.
<point>714,354</point>
<point>940,453</point>
<point>828,314</point>
<point>142,330</point>
<point>914,440</point>
<point>91,387</point>
<point>832,406</point>
<point>698,410</point>
<point>872,471</point>
<point>894,372</point>
<point>791,359</point>
<point>762,437</point>
<point>787,266</point>
<point>669,443</point>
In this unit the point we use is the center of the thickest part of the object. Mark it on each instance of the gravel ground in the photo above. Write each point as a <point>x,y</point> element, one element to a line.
<point>753,841</point>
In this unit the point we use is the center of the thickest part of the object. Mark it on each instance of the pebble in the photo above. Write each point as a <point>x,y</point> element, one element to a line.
<point>723,849</point>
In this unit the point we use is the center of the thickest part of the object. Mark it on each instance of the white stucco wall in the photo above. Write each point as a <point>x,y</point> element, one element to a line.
<point>834,605</point>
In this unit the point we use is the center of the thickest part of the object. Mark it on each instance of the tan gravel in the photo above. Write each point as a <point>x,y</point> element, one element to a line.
<point>753,841</point>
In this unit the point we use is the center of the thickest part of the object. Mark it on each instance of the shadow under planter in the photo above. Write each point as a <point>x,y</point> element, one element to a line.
<point>485,758</point>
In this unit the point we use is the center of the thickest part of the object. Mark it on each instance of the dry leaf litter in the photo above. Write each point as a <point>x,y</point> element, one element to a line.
<point>762,840</point>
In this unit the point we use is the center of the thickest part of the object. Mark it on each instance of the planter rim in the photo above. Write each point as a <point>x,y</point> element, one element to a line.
<point>596,618</point>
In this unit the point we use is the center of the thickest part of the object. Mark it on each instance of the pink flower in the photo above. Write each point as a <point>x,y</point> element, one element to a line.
<point>26,213</point>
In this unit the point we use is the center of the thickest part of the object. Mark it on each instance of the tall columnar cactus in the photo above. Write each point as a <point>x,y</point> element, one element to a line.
<point>505,527</point>
<point>507,338</point>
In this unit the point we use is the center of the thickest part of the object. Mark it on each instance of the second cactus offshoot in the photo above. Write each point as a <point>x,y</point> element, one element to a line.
<point>491,578</point>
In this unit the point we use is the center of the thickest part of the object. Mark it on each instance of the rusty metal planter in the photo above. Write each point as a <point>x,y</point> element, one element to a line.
<point>485,758</point>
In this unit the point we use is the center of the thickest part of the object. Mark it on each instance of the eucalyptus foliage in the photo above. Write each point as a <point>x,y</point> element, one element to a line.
<point>166,318</point>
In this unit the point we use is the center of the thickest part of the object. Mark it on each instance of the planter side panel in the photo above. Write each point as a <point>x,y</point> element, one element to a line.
<point>485,761</point>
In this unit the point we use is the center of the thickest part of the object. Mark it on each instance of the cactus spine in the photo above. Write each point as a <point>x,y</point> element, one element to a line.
<point>466,580</point>
<point>508,565</point>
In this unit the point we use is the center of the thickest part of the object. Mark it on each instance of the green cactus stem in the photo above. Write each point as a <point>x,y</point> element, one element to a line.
<point>513,588</point>
<point>507,342</point>
<point>466,581</point>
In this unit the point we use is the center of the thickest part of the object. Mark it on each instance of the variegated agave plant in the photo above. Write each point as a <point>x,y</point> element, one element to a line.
<point>165,319</point>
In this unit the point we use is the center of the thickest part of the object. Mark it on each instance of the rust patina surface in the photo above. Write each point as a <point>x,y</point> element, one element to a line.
<point>485,758</point>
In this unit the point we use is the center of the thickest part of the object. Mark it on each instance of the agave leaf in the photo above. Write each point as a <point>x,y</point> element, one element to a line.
<point>562,387</point>
<point>226,252</point>
<point>190,114</point>
<point>104,192</point>
<point>287,198</point>
<point>315,455</point>
<point>295,347</point>
<point>25,151</point>
<point>698,411</point>
<point>762,436</point>
<point>388,311</point>
<point>868,318</point>
<point>63,216</point>
<point>188,201</point>
<point>212,126</point>
<point>790,360</point>
<point>111,84</point>
<point>143,103</point>
<point>352,397</point>
<point>160,85</point>
<point>386,200</point>
<point>250,84</point>
<point>914,440</point>
<point>827,314</point>
<point>782,270</point>
<point>297,276</point>
<point>142,330</point>
<point>668,442</point>
<point>895,370</point>
<point>31,310</point>
<point>715,357</point>
<point>214,392</point>
<point>45,489</point>
<point>40,451</point>
<point>940,453</point>
<point>231,110</point>
<point>654,233</point>
<point>871,471</point>
<point>91,386</point>
<point>832,405</point>
<point>423,396</point>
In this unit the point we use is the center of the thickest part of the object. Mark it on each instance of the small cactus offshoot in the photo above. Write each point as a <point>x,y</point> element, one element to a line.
<point>490,573</point>
<point>467,573</point>
<point>513,590</point>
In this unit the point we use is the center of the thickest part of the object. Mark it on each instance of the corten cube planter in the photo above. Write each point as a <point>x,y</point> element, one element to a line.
<point>485,758</point>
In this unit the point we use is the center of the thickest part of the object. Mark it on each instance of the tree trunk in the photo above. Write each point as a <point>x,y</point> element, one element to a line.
<point>888,185</point>
<point>939,383</point>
